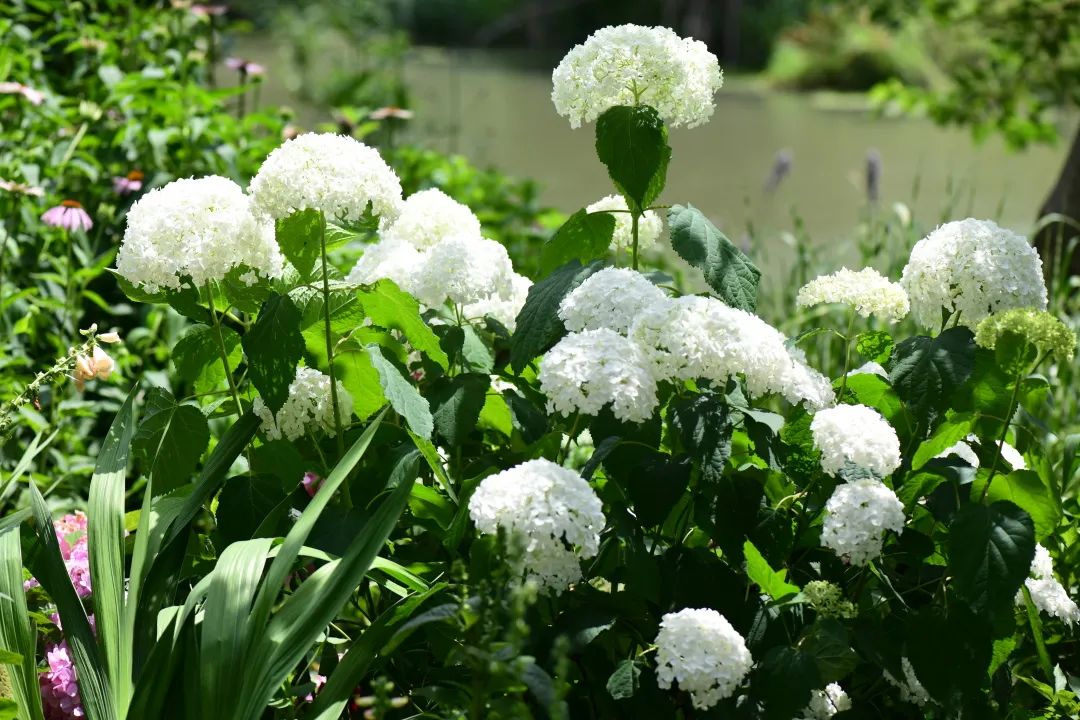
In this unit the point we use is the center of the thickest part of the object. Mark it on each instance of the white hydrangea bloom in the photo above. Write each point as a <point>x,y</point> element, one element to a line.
<point>826,703</point>
<point>695,337</point>
<point>397,261</point>
<point>586,371</point>
<point>551,510</point>
<point>504,309</point>
<point>869,368</point>
<point>198,229</point>
<point>611,298</point>
<point>867,290</point>
<point>650,226</point>
<point>703,653</point>
<point>631,64</point>
<point>965,451</point>
<point>856,516</point>
<point>911,690</point>
<point>308,408</point>
<point>429,216</point>
<point>1047,593</point>
<point>336,174</point>
<point>855,434</point>
<point>973,267</point>
<point>463,269</point>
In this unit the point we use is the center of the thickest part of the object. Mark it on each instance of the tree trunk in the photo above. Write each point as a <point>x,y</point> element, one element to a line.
<point>1064,199</point>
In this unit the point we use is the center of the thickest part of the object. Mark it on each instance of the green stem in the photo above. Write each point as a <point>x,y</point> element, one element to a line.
<point>634,232</point>
<point>847,356</point>
<point>1013,402</point>
<point>68,284</point>
<point>338,433</point>
<point>221,347</point>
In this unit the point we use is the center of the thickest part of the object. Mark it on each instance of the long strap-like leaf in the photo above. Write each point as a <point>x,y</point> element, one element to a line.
<point>16,635</point>
<point>105,538</point>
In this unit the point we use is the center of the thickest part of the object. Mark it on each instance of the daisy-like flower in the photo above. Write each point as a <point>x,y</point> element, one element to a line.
<point>127,184</point>
<point>392,112</point>
<point>867,291</point>
<point>209,10</point>
<point>246,68</point>
<point>69,215</point>
<point>17,188</point>
<point>34,97</point>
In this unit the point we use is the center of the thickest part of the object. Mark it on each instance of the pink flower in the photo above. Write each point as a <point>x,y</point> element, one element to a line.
<point>128,184</point>
<point>319,681</point>
<point>244,67</point>
<point>60,685</point>
<point>311,483</point>
<point>68,215</point>
<point>71,535</point>
<point>36,97</point>
<point>390,111</point>
<point>17,188</point>
<point>209,10</point>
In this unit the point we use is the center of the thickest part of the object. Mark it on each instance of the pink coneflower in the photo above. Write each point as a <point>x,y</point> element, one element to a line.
<point>17,188</point>
<point>209,10</point>
<point>68,215</point>
<point>132,182</point>
<point>390,111</point>
<point>36,97</point>
<point>244,67</point>
<point>311,483</point>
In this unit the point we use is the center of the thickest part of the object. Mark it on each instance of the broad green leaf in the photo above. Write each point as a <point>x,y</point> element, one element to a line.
<point>624,682</point>
<point>402,394</point>
<point>300,238</point>
<point>197,356</point>
<point>538,323</point>
<point>185,301</point>
<point>358,375</point>
<point>782,681</point>
<point>105,540</point>
<point>274,347</point>
<point>705,427</point>
<point>456,404</point>
<point>925,371</point>
<point>16,635</point>
<point>584,236</point>
<point>990,552</point>
<point>248,501</point>
<point>170,440</point>
<point>632,144</point>
<point>1013,352</point>
<point>1026,490</point>
<point>729,272</point>
<point>827,641</point>
<point>9,709</point>
<point>876,345</point>
<point>244,294</point>
<point>954,429</point>
<point>390,307</point>
<point>772,582</point>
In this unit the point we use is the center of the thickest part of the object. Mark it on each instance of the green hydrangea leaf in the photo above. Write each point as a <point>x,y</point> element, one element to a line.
<point>632,144</point>
<point>729,272</point>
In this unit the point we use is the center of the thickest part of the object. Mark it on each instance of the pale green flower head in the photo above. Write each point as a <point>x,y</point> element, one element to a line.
<point>1037,327</point>
<point>828,601</point>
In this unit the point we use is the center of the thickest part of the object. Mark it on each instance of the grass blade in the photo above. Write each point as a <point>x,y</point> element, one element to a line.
<point>105,540</point>
<point>16,635</point>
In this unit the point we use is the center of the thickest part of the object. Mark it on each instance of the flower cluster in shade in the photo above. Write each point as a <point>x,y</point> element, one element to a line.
<point>858,435</point>
<point>828,600</point>
<point>1047,593</point>
<point>856,517</point>
<point>71,536</point>
<point>334,174</point>
<point>911,690</point>
<point>309,407</point>
<point>551,512</point>
<point>867,291</point>
<point>826,703</point>
<point>969,270</point>
<point>68,215</point>
<point>59,685</point>
<point>703,653</point>
<point>650,226</point>
<point>434,250</point>
<point>626,336</point>
<point>636,65</point>
<point>195,230</point>
<point>1046,333</point>
<point>965,450</point>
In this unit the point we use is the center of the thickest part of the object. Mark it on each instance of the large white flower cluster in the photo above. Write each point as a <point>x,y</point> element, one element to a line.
<point>867,291</point>
<point>196,229</point>
<point>856,517</point>
<point>974,268</point>
<point>552,511</point>
<point>911,690</point>
<point>587,370</point>
<point>429,216</point>
<point>650,226</point>
<point>336,174</point>
<point>855,434</point>
<point>826,703</point>
<point>631,65</point>
<point>308,408</point>
<point>504,305</point>
<point>703,653</point>
<point>1047,593</point>
<point>463,269</point>
<point>612,298</point>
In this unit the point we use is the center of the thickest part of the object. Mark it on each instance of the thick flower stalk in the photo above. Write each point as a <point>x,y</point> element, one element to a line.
<point>858,435</point>
<point>867,291</point>
<point>551,511</point>
<point>703,653</point>
<point>856,518</point>
<point>635,65</point>
<point>970,269</point>
<point>309,408</point>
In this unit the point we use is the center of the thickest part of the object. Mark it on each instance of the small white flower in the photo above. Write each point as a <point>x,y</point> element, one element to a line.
<point>611,298</point>
<point>650,226</point>
<point>826,703</point>
<point>703,653</point>
<point>429,216</point>
<point>551,510</point>
<point>335,174</point>
<point>869,368</point>
<point>309,407</point>
<point>867,291</point>
<point>974,268</point>
<point>586,371</point>
<point>856,517</point>
<point>393,260</point>
<point>631,64</point>
<point>911,690</point>
<point>855,434</point>
<point>463,269</point>
<point>503,309</point>
<point>1048,595</point>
